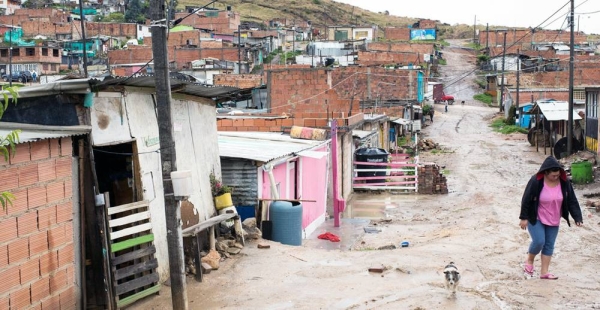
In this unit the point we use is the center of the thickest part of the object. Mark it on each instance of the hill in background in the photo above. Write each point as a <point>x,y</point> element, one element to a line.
<point>323,13</point>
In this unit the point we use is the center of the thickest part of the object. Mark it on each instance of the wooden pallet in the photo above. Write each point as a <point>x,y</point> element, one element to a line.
<point>131,243</point>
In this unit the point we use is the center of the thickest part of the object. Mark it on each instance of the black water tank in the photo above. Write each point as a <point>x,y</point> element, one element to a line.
<point>329,61</point>
<point>372,155</point>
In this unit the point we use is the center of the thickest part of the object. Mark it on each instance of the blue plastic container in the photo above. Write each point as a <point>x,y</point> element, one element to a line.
<point>245,212</point>
<point>286,217</point>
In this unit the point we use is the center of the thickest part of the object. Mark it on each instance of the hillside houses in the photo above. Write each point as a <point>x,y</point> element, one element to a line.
<point>238,88</point>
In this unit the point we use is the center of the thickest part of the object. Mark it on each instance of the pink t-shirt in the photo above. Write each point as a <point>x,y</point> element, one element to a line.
<point>550,202</point>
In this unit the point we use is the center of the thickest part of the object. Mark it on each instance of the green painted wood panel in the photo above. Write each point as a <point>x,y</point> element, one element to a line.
<point>115,247</point>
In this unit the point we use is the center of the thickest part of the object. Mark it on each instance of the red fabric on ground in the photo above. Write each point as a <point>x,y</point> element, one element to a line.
<point>329,236</point>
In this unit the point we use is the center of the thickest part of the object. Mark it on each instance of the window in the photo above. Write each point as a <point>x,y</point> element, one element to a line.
<point>4,53</point>
<point>16,51</point>
<point>44,51</point>
<point>53,67</point>
<point>579,95</point>
<point>140,28</point>
<point>55,53</point>
<point>45,66</point>
<point>29,51</point>
<point>592,104</point>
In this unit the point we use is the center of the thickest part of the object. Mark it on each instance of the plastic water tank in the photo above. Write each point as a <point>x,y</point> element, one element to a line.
<point>286,217</point>
<point>371,155</point>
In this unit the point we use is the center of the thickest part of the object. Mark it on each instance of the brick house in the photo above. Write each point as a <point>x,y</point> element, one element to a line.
<point>216,21</point>
<point>37,243</point>
<point>120,129</point>
<point>43,59</point>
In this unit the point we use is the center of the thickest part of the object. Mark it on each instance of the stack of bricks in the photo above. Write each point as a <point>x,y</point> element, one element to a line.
<point>36,231</point>
<point>431,180</point>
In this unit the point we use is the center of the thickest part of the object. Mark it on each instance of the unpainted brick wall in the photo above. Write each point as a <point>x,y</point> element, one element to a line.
<point>495,38</point>
<point>309,90</point>
<point>383,58</point>
<point>400,34</point>
<point>238,80</point>
<point>36,231</point>
<point>182,56</point>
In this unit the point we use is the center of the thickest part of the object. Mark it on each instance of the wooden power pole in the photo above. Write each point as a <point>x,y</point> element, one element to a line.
<point>167,153</point>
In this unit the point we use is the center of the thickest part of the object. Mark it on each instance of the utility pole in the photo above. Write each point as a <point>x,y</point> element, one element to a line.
<point>487,37</point>
<point>502,82</point>
<point>518,81</point>
<point>240,49</point>
<point>10,77</point>
<point>167,153</point>
<point>82,19</point>
<point>571,68</point>
<point>475,30</point>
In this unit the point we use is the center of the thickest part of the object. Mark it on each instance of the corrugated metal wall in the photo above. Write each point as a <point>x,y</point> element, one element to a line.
<point>242,175</point>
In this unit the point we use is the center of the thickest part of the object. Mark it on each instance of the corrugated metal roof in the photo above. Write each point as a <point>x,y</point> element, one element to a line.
<point>557,110</point>
<point>262,146</point>
<point>184,87</point>
<point>402,121</point>
<point>84,86</point>
<point>31,133</point>
<point>362,133</point>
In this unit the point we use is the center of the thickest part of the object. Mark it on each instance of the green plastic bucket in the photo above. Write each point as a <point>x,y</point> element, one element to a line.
<point>581,172</point>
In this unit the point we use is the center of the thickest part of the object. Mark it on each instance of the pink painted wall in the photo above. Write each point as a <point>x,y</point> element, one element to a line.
<point>280,178</point>
<point>313,177</point>
<point>314,180</point>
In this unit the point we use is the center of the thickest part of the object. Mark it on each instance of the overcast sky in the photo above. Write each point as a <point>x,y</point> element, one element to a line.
<point>510,13</point>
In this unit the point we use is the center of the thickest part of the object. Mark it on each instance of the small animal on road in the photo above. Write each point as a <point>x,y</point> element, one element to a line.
<point>451,278</point>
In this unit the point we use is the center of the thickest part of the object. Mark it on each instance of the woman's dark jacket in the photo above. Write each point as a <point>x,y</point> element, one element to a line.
<point>531,197</point>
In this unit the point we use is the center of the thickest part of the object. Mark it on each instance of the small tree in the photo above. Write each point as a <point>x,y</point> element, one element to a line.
<point>9,142</point>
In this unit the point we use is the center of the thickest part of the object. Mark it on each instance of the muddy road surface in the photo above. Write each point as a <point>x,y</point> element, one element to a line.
<point>476,226</point>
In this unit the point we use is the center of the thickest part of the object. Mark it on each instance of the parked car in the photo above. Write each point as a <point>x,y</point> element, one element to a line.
<point>20,76</point>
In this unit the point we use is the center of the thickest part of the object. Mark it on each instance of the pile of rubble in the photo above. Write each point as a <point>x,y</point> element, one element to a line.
<point>226,245</point>
<point>578,157</point>
<point>428,145</point>
<point>432,180</point>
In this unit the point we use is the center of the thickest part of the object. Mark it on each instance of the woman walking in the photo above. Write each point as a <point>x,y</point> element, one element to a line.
<point>548,197</point>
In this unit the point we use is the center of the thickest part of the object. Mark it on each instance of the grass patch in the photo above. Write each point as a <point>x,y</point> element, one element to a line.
<point>499,125</point>
<point>481,83</point>
<point>445,172</point>
<point>485,98</point>
<point>442,61</point>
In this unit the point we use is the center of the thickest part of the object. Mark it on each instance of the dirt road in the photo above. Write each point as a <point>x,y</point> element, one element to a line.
<point>475,226</point>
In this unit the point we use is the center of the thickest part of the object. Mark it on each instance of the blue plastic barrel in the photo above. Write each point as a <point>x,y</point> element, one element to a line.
<point>286,217</point>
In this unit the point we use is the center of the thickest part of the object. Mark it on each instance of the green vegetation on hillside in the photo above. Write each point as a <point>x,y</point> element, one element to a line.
<point>485,98</point>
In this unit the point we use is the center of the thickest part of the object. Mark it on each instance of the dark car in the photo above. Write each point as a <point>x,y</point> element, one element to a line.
<point>18,76</point>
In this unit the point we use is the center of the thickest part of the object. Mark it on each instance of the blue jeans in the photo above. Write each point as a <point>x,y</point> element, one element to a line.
<point>542,238</point>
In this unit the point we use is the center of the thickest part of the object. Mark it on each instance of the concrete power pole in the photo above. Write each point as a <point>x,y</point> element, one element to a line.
<point>571,80</point>
<point>502,82</point>
<point>167,154</point>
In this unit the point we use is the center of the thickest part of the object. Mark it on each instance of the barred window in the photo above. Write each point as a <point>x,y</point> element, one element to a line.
<point>579,95</point>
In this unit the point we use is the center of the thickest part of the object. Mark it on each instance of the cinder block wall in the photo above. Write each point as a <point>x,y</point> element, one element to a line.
<point>36,232</point>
